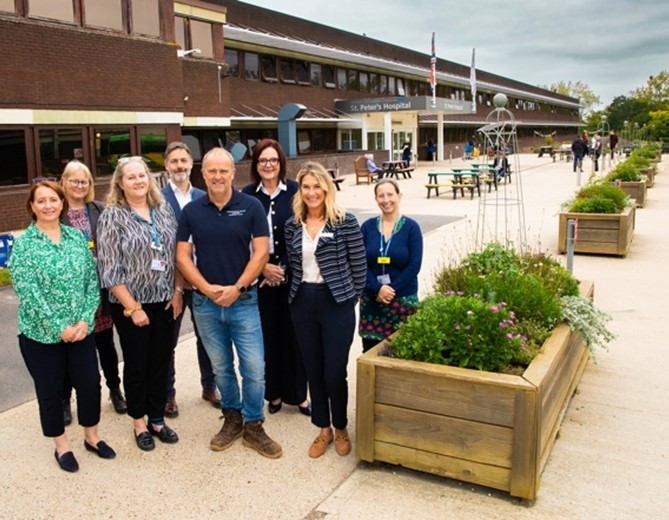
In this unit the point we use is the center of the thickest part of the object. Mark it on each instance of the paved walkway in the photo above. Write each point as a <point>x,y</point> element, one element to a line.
<point>611,459</point>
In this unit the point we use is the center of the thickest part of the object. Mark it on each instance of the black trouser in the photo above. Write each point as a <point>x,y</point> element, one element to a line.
<point>324,332</point>
<point>49,365</point>
<point>285,377</point>
<point>146,353</point>
<point>104,341</point>
<point>206,372</point>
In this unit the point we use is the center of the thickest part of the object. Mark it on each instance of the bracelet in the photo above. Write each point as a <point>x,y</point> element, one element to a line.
<point>179,289</point>
<point>129,312</point>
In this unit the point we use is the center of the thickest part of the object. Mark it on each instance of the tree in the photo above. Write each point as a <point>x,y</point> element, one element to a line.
<point>656,92</point>
<point>577,90</point>
<point>658,125</point>
<point>628,109</point>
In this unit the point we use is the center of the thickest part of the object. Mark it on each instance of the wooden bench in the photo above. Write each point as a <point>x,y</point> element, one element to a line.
<point>455,187</point>
<point>361,171</point>
<point>335,177</point>
<point>405,172</point>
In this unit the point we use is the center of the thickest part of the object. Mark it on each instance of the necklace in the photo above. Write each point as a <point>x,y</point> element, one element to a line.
<point>313,226</point>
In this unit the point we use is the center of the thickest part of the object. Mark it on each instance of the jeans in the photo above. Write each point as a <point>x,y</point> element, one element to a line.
<point>220,328</point>
<point>578,161</point>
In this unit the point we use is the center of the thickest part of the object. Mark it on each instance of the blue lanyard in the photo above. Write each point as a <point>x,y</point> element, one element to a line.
<point>382,251</point>
<point>151,227</point>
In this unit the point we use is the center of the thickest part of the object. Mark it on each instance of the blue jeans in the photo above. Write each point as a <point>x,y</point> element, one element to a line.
<point>219,328</point>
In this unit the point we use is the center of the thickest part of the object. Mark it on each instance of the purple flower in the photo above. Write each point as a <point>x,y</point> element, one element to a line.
<point>456,326</point>
<point>509,335</point>
<point>494,308</point>
<point>502,325</point>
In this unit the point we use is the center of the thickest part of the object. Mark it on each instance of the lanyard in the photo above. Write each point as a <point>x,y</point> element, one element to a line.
<point>151,227</point>
<point>383,252</point>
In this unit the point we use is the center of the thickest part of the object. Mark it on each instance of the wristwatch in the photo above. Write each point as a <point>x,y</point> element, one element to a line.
<point>241,288</point>
<point>128,312</point>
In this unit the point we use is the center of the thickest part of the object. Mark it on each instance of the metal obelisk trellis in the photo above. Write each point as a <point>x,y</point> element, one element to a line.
<point>501,212</point>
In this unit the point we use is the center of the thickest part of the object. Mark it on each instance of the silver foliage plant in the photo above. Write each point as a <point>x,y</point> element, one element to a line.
<point>589,321</point>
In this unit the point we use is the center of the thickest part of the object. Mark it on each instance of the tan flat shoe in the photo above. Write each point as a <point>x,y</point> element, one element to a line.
<point>319,446</point>
<point>342,442</point>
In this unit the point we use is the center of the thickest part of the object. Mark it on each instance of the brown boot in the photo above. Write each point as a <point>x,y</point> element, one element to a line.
<point>231,430</point>
<point>256,438</point>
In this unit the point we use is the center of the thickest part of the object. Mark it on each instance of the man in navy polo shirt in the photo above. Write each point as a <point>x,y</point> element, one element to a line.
<point>220,228</point>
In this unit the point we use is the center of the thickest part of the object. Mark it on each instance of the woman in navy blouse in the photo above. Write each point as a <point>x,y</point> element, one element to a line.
<point>394,250</point>
<point>285,378</point>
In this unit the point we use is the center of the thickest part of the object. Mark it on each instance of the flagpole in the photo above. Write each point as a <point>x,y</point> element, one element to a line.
<point>472,81</point>
<point>433,74</point>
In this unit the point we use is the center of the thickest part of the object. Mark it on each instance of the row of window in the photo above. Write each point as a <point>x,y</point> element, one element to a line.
<point>137,17</point>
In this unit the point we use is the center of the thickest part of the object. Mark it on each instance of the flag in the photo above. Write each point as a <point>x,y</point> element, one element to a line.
<point>433,72</point>
<point>472,80</point>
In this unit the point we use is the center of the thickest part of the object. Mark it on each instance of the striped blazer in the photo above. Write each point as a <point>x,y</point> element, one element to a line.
<point>341,258</point>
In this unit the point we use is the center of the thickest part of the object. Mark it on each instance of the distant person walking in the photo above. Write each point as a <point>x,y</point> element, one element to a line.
<point>579,149</point>
<point>613,142</point>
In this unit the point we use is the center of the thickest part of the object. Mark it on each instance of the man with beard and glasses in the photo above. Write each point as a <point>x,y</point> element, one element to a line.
<point>179,192</point>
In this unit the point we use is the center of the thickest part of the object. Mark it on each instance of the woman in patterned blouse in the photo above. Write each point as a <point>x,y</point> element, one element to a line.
<point>83,213</point>
<point>54,277</point>
<point>136,246</point>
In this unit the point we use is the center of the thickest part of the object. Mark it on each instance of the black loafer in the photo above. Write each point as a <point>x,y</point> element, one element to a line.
<point>102,450</point>
<point>305,410</point>
<point>273,408</point>
<point>144,441</point>
<point>165,434</point>
<point>67,462</point>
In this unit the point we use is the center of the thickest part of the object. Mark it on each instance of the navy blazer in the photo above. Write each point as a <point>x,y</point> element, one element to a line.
<point>341,258</point>
<point>168,192</point>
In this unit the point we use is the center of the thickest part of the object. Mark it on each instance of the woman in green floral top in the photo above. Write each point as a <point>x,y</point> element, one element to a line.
<point>54,277</point>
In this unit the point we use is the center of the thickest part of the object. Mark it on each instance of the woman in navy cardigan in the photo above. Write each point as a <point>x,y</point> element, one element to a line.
<point>394,251</point>
<point>285,378</point>
<point>327,259</point>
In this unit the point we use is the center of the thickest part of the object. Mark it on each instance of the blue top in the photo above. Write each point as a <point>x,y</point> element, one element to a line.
<point>170,197</point>
<point>405,252</point>
<point>340,254</point>
<point>222,239</point>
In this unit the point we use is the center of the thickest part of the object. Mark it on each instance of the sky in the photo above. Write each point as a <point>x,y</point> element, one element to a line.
<point>612,46</point>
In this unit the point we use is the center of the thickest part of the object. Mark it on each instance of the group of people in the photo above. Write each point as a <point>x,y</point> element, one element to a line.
<point>583,146</point>
<point>271,274</point>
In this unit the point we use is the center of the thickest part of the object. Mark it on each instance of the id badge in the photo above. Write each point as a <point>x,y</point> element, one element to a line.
<point>383,260</point>
<point>158,265</point>
<point>91,244</point>
<point>156,247</point>
<point>383,279</point>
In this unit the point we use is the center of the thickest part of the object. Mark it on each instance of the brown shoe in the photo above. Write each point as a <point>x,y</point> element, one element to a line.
<point>171,408</point>
<point>342,442</point>
<point>231,430</point>
<point>256,438</point>
<point>319,446</point>
<point>213,397</point>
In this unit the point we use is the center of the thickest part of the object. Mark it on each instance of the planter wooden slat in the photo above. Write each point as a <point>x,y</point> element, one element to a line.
<point>599,233</point>
<point>449,421</point>
<point>636,190</point>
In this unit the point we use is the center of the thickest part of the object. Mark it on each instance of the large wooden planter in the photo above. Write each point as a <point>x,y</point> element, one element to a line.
<point>491,429</point>
<point>636,190</point>
<point>599,233</point>
<point>650,175</point>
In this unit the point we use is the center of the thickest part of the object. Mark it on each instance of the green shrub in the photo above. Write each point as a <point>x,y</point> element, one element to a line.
<point>5,277</point>
<point>461,331</point>
<point>625,172</point>
<point>594,205</point>
<point>599,197</point>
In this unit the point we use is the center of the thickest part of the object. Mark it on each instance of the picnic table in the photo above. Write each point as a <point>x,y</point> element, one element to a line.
<point>459,180</point>
<point>335,177</point>
<point>395,168</point>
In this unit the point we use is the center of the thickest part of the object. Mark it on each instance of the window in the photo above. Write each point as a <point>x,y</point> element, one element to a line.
<point>328,76</point>
<point>287,71</point>
<point>13,156</point>
<point>315,74</point>
<point>58,146</point>
<point>351,139</point>
<point>342,79</point>
<point>412,87</point>
<point>251,66</point>
<point>146,17</point>
<point>55,9</point>
<point>104,13</point>
<point>375,141</point>
<point>374,83</point>
<point>400,87</point>
<point>363,82</point>
<point>153,142</point>
<point>269,68</point>
<point>180,25</point>
<point>383,85</point>
<point>352,80</point>
<point>7,5</point>
<point>422,88</point>
<point>110,144</point>
<point>303,141</point>
<point>232,59</point>
<point>302,72</point>
<point>392,89</point>
<point>201,38</point>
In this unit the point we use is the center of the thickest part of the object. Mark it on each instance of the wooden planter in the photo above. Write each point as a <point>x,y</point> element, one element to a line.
<point>650,175</point>
<point>491,429</point>
<point>636,190</point>
<point>599,233</point>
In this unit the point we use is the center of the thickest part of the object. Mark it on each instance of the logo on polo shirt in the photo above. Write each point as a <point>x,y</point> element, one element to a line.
<point>236,212</point>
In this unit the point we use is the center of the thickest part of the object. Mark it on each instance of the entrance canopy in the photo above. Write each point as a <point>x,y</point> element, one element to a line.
<point>417,104</point>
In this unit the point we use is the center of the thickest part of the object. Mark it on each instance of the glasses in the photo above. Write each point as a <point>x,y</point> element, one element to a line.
<point>264,162</point>
<point>78,184</point>
<point>42,179</point>
<point>134,158</point>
